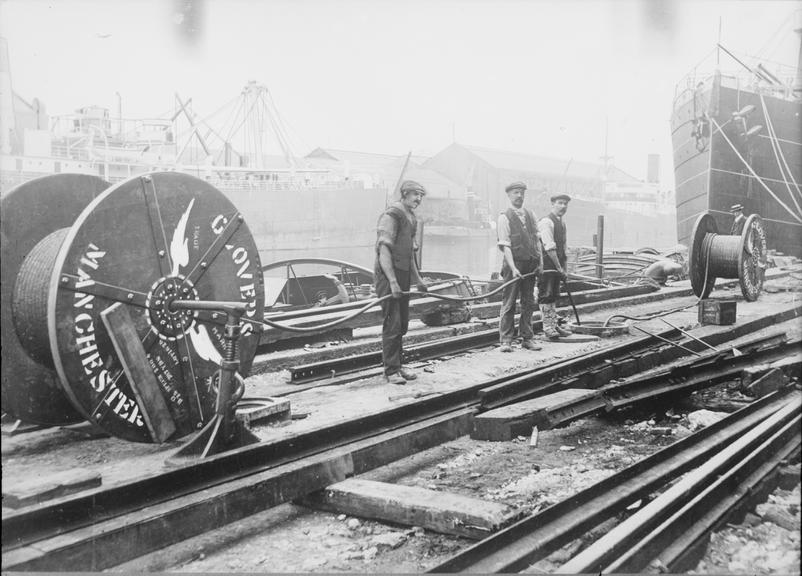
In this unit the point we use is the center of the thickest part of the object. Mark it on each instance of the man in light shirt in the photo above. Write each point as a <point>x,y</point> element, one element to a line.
<point>554,239</point>
<point>395,269</point>
<point>518,242</point>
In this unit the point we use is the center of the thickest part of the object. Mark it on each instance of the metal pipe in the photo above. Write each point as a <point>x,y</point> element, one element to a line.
<point>680,346</point>
<point>735,351</point>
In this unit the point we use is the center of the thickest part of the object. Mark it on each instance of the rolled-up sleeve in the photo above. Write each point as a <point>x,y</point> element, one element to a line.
<point>503,231</point>
<point>386,231</point>
<point>546,229</point>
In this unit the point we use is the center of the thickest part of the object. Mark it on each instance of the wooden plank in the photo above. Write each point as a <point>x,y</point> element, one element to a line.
<point>254,409</point>
<point>43,488</point>
<point>752,374</point>
<point>576,338</point>
<point>111,542</point>
<point>134,360</point>
<point>773,380</point>
<point>515,420</point>
<point>413,506</point>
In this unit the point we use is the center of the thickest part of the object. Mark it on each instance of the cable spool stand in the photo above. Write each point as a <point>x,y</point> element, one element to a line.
<point>715,255</point>
<point>121,305</point>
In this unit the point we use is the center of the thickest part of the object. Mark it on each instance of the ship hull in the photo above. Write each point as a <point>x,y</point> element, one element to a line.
<point>722,158</point>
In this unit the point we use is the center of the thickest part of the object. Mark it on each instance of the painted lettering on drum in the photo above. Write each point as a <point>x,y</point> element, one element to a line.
<point>85,343</point>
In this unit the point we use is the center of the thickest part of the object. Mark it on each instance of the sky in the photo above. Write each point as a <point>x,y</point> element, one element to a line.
<point>552,78</point>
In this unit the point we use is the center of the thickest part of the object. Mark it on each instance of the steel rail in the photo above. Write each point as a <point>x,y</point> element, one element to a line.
<point>338,367</point>
<point>602,368</point>
<point>29,527</point>
<point>535,537</point>
<point>70,512</point>
<point>589,300</point>
<point>688,378</point>
<point>51,518</point>
<point>21,528</point>
<point>724,470</point>
<point>681,554</point>
<point>680,538</point>
<point>142,530</point>
<point>580,407</point>
<point>343,370</point>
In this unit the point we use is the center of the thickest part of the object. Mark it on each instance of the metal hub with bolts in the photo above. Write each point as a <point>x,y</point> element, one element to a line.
<point>141,246</point>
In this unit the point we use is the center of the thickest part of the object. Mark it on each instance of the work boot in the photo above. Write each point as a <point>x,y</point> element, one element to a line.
<point>506,347</point>
<point>407,374</point>
<point>548,315</point>
<point>531,345</point>
<point>394,378</point>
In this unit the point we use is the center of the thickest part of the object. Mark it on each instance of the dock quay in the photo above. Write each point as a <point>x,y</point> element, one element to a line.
<point>418,435</point>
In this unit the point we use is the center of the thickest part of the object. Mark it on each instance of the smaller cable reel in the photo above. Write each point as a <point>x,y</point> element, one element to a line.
<point>715,255</point>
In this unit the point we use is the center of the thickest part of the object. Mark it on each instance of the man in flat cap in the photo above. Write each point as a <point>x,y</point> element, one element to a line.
<point>518,242</point>
<point>394,270</point>
<point>554,238</point>
<point>737,227</point>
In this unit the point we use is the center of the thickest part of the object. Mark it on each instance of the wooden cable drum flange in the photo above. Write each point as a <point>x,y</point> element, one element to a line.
<point>113,274</point>
<point>29,213</point>
<point>713,255</point>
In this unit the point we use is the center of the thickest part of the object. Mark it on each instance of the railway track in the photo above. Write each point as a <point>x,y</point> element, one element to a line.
<point>104,527</point>
<point>773,421</point>
<point>345,369</point>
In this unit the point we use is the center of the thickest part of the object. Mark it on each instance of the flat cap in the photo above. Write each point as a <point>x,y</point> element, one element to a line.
<point>515,186</point>
<point>408,186</point>
<point>736,207</point>
<point>565,197</point>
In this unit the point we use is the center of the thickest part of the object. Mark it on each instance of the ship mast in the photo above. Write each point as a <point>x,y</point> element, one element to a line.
<point>797,88</point>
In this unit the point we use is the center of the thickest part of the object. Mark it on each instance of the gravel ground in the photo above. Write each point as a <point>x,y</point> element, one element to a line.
<point>293,538</point>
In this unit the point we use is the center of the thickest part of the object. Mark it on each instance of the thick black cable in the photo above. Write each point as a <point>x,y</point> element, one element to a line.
<point>372,303</point>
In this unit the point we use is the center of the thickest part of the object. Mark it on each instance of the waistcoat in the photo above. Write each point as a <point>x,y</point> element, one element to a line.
<point>522,238</point>
<point>559,240</point>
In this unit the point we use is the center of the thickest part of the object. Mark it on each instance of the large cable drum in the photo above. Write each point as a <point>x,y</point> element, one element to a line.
<point>145,243</point>
<point>30,213</point>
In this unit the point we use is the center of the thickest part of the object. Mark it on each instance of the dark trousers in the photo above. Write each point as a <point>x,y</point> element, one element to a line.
<point>548,288</point>
<point>396,319</point>
<point>549,285</point>
<point>525,289</point>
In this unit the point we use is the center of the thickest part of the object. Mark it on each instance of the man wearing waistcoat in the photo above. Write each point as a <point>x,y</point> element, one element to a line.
<point>518,242</point>
<point>394,270</point>
<point>553,236</point>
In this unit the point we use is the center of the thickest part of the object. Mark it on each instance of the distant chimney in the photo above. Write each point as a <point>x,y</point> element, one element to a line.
<point>7,120</point>
<point>653,169</point>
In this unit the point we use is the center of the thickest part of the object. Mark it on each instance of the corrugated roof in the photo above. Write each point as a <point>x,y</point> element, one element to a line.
<point>387,168</point>
<point>520,162</point>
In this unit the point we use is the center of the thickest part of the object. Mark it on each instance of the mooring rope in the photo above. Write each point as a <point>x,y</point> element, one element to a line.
<point>779,155</point>
<point>755,174</point>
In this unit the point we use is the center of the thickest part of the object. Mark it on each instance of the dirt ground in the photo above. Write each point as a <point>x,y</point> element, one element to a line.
<point>292,538</point>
